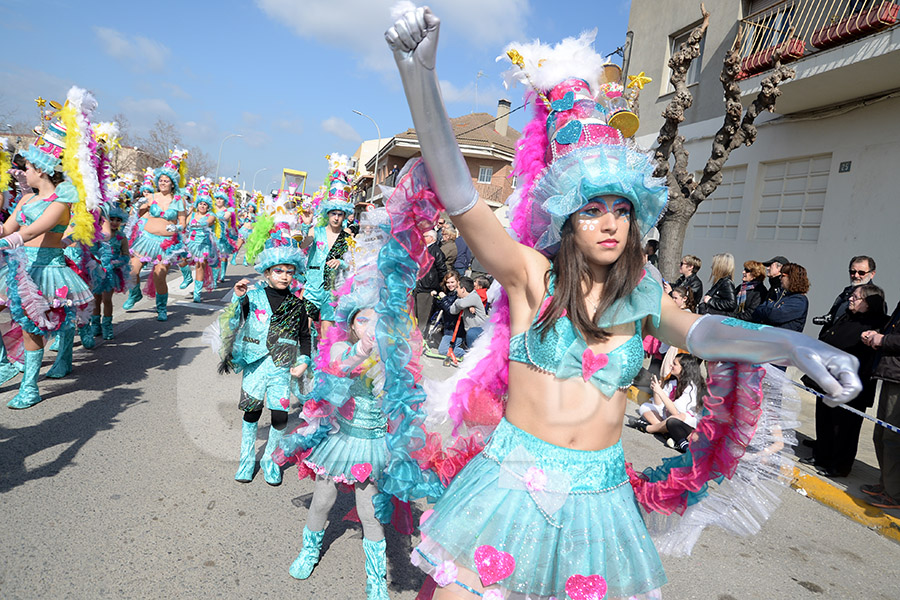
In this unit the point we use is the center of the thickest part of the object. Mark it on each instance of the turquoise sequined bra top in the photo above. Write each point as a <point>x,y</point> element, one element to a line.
<point>564,353</point>
<point>32,211</point>
<point>171,213</point>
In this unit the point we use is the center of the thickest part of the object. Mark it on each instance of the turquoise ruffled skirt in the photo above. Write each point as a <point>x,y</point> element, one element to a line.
<point>156,249</point>
<point>337,454</point>
<point>43,294</point>
<point>201,246</point>
<point>558,512</point>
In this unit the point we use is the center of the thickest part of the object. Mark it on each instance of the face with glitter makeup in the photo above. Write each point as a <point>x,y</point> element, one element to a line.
<point>601,228</point>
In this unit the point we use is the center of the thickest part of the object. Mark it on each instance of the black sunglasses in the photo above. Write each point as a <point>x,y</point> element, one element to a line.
<point>859,273</point>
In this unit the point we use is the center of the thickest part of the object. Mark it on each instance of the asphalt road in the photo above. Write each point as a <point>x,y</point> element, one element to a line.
<point>120,485</point>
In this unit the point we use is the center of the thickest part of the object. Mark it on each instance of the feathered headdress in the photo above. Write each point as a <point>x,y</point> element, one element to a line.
<point>175,168</point>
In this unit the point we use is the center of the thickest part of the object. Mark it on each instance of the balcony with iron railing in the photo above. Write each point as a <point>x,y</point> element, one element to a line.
<point>834,42</point>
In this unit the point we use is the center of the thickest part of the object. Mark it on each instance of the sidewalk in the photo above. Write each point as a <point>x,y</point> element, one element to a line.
<point>840,493</point>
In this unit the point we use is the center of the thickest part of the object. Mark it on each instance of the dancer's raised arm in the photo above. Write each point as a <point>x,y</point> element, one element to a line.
<point>413,39</point>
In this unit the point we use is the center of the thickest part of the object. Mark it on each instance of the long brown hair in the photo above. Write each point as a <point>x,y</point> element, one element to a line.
<point>571,272</point>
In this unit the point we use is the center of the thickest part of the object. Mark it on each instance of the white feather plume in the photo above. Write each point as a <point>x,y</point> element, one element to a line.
<point>547,65</point>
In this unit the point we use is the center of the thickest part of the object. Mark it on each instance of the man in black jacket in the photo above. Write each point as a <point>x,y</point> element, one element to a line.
<point>773,270</point>
<point>862,270</point>
<point>886,493</point>
<point>688,268</point>
<point>431,281</point>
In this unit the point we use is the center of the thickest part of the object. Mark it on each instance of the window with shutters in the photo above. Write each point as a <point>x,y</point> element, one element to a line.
<point>792,199</point>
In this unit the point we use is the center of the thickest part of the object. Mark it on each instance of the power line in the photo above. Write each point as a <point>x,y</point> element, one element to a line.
<point>491,121</point>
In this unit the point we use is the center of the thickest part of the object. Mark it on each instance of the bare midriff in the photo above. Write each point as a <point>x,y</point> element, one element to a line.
<point>571,413</point>
<point>50,239</point>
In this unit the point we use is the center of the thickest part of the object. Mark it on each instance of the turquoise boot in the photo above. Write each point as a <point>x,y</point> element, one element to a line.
<point>188,277</point>
<point>28,391</point>
<point>7,369</point>
<point>54,345</point>
<point>106,328</point>
<point>376,569</point>
<point>198,286</point>
<point>134,295</point>
<point>161,301</point>
<point>248,453</point>
<point>222,268</point>
<point>86,333</point>
<point>306,561</point>
<point>95,325</point>
<point>62,366</point>
<point>271,471</point>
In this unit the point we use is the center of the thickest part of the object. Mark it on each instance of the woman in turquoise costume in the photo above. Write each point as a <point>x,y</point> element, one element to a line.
<point>200,239</point>
<point>227,229</point>
<point>42,293</point>
<point>327,241</point>
<point>549,507</point>
<point>158,241</point>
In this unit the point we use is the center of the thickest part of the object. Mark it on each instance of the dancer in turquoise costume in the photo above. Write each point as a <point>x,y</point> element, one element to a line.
<point>549,507</point>
<point>42,293</point>
<point>200,239</point>
<point>327,241</point>
<point>265,335</point>
<point>226,228</point>
<point>347,403</point>
<point>158,239</point>
<point>112,271</point>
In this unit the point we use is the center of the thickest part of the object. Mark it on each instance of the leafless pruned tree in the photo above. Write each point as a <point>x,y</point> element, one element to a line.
<point>738,129</point>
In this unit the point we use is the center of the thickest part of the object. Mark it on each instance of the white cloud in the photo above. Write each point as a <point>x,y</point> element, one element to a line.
<point>256,139</point>
<point>176,90</point>
<point>359,25</point>
<point>156,108</point>
<point>139,52</point>
<point>250,119</point>
<point>291,126</point>
<point>341,129</point>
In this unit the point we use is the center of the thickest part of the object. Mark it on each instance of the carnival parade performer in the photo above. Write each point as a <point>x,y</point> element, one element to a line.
<point>227,227</point>
<point>43,294</point>
<point>327,240</point>
<point>157,239</point>
<point>264,334</point>
<point>349,382</point>
<point>112,271</point>
<point>549,507</point>
<point>200,239</point>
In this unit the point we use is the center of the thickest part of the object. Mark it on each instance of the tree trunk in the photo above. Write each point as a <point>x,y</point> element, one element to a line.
<point>671,243</point>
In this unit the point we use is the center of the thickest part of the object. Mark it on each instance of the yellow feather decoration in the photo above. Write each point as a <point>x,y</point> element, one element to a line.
<point>5,165</point>
<point>84,221</point>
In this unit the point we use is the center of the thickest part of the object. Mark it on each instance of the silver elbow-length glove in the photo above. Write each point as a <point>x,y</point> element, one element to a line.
<point>413,39</point>
<point>714,337</point>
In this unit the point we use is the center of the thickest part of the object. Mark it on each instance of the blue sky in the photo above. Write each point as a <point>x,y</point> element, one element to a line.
<point>286,74</point>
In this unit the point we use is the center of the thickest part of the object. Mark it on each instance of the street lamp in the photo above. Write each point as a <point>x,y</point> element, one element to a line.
<point>377,150</point>
<point>253,186</point>
<point>230,135</point>
<point>477,77</point>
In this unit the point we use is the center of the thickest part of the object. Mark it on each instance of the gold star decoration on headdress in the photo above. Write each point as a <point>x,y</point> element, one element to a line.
<point>638,81</point>
<point>40,101</point>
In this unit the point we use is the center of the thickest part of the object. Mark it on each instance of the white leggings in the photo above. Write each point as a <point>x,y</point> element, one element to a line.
<point>324,495</point>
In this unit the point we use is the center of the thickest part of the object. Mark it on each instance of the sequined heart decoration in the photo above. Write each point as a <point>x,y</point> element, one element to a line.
<point>569,134</point>
<point>62,292</point>
<point>591,363</point>
<point>579,587</point>
<point>564,103</point>
<point>361,471</point>
<point>493,565</point>
<point>260,314</point>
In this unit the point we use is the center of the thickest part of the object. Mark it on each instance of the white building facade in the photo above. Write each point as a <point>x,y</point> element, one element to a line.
<point>822,181</point>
